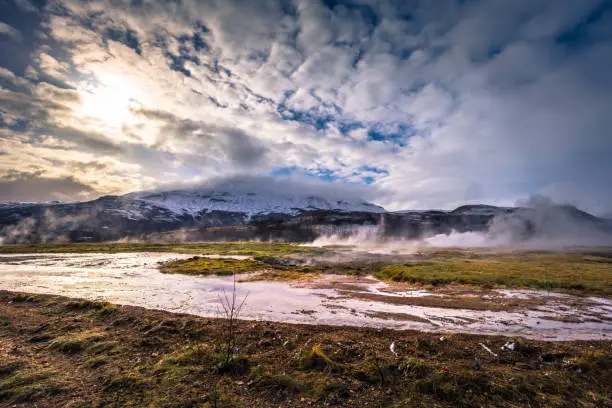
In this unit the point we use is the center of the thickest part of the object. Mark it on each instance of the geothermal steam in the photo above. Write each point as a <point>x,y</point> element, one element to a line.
<point>537,223</point>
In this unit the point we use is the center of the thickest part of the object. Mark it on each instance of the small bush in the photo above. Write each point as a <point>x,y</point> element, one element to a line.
<point>414,368</point>
<point>105,309</point>
<point>316,359</point>
<point>238,365</point>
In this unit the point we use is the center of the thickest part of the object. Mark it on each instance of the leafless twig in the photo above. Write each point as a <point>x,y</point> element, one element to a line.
<point>231,309</point>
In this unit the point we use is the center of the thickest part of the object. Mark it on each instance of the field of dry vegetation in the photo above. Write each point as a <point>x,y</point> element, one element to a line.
<point>57,352</point>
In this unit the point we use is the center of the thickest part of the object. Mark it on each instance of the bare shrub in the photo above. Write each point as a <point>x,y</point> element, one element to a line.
<point>230,312</point>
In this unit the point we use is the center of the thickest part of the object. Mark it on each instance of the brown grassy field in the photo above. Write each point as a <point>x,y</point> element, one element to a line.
<point>586,271</point>
<point>60,352</point>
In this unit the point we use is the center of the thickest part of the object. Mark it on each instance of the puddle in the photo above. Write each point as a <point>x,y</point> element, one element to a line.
<point>133,279</point>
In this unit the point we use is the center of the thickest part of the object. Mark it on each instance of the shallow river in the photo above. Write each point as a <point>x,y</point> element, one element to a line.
<point>133,279</point>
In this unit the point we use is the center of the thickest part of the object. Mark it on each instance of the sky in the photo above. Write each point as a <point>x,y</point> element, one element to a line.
<point>415,103</point>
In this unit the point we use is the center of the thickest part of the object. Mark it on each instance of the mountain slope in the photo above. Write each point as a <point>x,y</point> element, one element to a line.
<point>137,215</point>
<point>239,212</point>
<point>194,202</point>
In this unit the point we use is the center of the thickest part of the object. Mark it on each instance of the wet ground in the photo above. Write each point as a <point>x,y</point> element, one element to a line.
<point>133,279</point>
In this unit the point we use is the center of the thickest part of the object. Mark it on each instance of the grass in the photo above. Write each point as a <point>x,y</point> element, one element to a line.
<point>117,361</point>
<point>205,248</point>
<point>587,270</point>
<point>24,298</point>
<point>100,309</point>
<point>274,383</point>
<point>316,359</point>
<point>193,355</point>
<point>571,271</point>
<point>212,266</point>
<point>22,384</point>
<point>228,266</point>
<point>281,275</point>
<point>76,342</point>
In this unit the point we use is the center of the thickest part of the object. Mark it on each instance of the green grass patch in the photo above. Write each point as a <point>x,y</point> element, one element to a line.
<point>212,266</point>
<point>206,248</point>
<point>96,362</point>
<point>572,271</point>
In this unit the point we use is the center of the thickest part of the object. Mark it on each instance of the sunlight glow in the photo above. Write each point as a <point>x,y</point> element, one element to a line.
<point>109,102</point>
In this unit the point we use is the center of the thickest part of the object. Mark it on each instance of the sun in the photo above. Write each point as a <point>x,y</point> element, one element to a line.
<point>110,101</point>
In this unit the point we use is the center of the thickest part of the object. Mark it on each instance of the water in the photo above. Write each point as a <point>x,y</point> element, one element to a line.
<point>134,279</point>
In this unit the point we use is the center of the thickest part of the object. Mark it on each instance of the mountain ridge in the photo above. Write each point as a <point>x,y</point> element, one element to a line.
<point>192,202</point>
<point>240,214</point>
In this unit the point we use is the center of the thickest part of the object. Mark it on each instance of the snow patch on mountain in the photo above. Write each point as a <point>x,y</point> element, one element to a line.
<point>194,202</point>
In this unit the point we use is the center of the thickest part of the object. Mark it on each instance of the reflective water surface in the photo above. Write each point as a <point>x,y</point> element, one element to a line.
<point>133,279</point>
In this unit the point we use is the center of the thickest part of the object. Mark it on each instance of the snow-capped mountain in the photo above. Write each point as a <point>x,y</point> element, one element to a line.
<point>195,202</point>
<point>232,206</point>
<point>244,210</point>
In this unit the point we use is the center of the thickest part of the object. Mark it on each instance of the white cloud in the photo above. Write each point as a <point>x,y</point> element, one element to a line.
<point>469,94</point>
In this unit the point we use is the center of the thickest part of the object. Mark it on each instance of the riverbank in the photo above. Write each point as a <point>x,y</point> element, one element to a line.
<point>585,271</point>
<point>213,248</point>
<point>56,351</point>
<point>333,299</point>
<point>579,271</point>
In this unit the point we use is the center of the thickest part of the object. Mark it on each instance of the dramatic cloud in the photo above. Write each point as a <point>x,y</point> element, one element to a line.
<point>423,103</point>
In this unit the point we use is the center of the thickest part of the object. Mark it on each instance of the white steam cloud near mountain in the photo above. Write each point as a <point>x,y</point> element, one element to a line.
<point>268,185</point>
<point>539,223</point>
